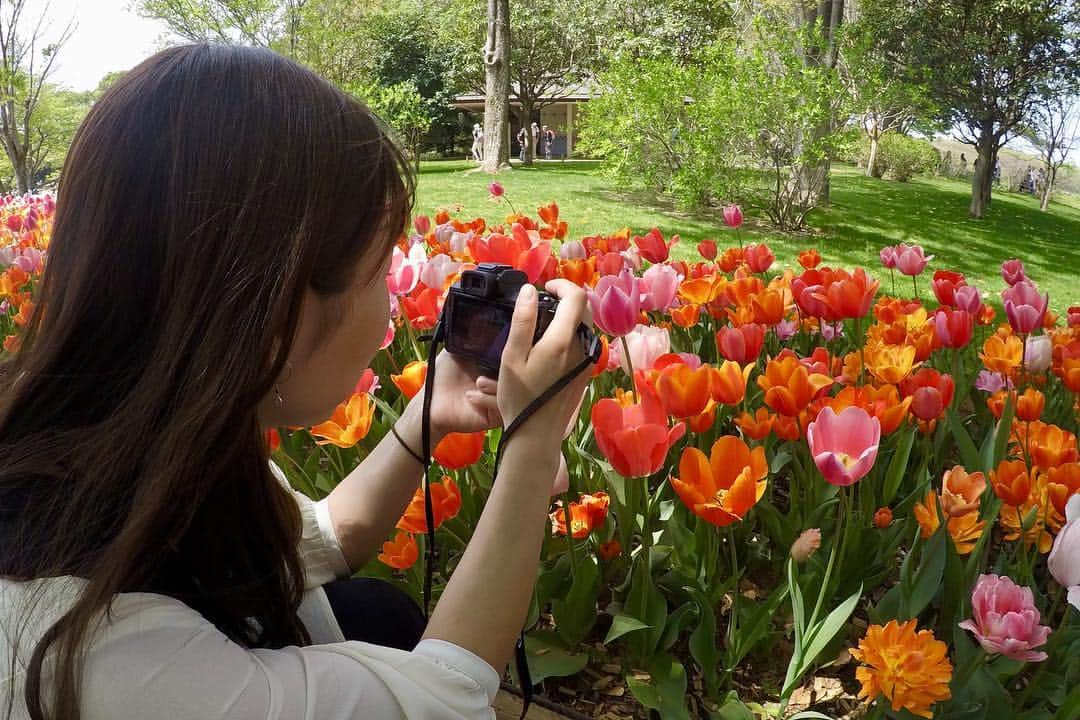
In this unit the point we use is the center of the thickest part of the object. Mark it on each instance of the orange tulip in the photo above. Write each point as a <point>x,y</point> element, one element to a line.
<point>580,272</point>
<point>757,426</point>
<point>273,440</point>
<point>22,318</point>
<point>422,307</point>
<point>445,504</point>
<point>634,437</point>
<point>686,316</point>
<point>349,424</point>
<point>965,530</point>
<point>702,422</point>
<point>459,450</point>
<point>411,379</point>
<point>996,402</point>
<point>586,515</point>
<point>702,290</point>
<point>847,295</point>
<point>400,553</point>
<point>809,259</point>
<point>768,307</point>
<point>789,386</point>
<point>1051,445</point>
<point>1002,354</point>
<point>787,428</point>
<point>609,550</point>
<point>1063,483</point>
<point>961,491</point>
<point>882,402</point>
<point>1029,405</point>
<point>889,363</point>
<point>1011,482</point>
<point>721,489</point>
<point>883,518</point>
<point>605,356</point>
<point>729,382</point>
<point>685,391</point>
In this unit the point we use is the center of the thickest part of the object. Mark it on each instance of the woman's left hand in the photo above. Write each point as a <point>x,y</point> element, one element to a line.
<point>462,401</point>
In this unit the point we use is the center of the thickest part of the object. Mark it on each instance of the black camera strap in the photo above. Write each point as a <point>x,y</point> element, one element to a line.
<point>520,659</point>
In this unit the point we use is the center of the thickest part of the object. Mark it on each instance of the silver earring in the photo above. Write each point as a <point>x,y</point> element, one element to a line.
<point>278,400</point>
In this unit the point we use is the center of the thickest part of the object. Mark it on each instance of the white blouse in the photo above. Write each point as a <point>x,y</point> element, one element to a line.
<point>155,657</point>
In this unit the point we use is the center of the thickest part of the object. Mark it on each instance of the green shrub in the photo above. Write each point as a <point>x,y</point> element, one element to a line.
<point>904,157</point>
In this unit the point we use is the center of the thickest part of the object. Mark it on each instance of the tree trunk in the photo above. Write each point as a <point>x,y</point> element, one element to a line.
<point>983,178</point>
<point>497,87</point>
<point>526,122</point>
<point>1051,175</point>
<point>871,164</point>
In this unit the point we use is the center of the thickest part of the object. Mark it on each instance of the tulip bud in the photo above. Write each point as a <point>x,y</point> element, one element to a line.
<point>496,190</point>
<point>883,518</point>
<point>733,216</point>
<point>805,545</point>
<point>1038,352</point>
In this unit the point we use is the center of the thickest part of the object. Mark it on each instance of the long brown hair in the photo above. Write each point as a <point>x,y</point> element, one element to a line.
<point>205,191</point>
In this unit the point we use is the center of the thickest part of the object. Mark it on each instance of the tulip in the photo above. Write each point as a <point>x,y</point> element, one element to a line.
<point>1038,353</point>
<point>459,450</point>
<point>609,550</point>
<point>954,327</point>
<point>496,190</point>
<point>411,379</point>
<point>945,285</point>
<point>616,303</point>
<point>401,553</point>
<point>968,298</point>
<point>722,488</point>
<point>930,391</point>
<point>961,491</point>
<point>445,504</point>
<point>658,286</point>
<point>647,343</point>
<point>733,216</point>
<point>686,316</point>
<point>1005,620</point>
<point>572,250</point>
<point>789,386</point>
<point>349,424</point>
<point>437,269</point>
<point>759,258</point>
<point>1064,560</point>
<point>1050,445</point>
<point>889,363</point>
<point>1024,306</point>
<point>422,307</point>
<point>1002,354</point>
<point>1012,482</point>
<point>990,382</point>
<point>757,426</point>
<point>844,445</point>
<point>707,249</point>
<point>586,515</point>
<point>422,223</point>
<point>634,438</point>
<point>809,259</point>
<point>911,260</point>
<point>805,545</point>
<point>653,247</point>
<point>1029,405</point>
<point>741,344</point>
<point>883,518</point>
<point>847,295</point>
<point>887,255</point>
<point>1012,271</point>
<point>685,391</point>
<point>404,270</point>
<point>729,382</point>
<point>1074,316</point>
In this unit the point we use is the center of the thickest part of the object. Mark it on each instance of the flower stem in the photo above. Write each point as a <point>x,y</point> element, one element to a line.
<point>837,540</point>
<point>629,366</point>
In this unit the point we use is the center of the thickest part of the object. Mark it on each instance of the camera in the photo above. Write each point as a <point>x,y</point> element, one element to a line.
<point>477,313</point>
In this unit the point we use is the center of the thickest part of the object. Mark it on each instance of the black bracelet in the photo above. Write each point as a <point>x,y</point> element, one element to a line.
<point>408,449</point>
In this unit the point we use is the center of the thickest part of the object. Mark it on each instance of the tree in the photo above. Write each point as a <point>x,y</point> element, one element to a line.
<point>1055,131</point>
<point>252,22</point>
<point>496,55</point>
<point>26,62</point>
<point>985,64</point>
<point>403,109</point>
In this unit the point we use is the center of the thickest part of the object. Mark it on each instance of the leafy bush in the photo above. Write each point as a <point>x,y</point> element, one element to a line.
<point>903,157</point>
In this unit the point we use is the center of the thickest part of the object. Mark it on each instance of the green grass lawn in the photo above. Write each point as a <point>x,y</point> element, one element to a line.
<point>865,214</point>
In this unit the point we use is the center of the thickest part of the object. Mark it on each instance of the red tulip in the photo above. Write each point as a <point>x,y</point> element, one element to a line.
<point>635,438</point>
<point>707,249</point>
<point>653,248</point>
<point>930,392</point>
<point>496,190</point>
<point>759,258</point>
<point>954,327</point>
<point>945,284</point>
<point>742,344</point>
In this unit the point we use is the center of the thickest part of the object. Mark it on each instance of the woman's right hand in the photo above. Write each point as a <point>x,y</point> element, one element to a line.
<point>528,370</point>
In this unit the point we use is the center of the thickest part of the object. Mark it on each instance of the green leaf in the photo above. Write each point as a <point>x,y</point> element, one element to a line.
<point>898,465</point>
<point>547,659</point>
<point>733,709</point>
<point>823,634</point>
<point>997,442</point>
<point>645,602</point>
<point>703,647</point>
<point>664,690</point>
<point>798,608</point>
<point>968,452</point>
<point>576,614</point>
<point>676,623</point>
<point>1070,709</point>
<point>621,625</point>
<point>927,579</point>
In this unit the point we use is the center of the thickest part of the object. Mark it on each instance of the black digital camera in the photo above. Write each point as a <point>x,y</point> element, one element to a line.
<point>479,306</point>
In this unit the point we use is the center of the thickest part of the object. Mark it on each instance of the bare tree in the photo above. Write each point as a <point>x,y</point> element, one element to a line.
<point>1055,131</point>
<point>497,86</point>
<point>26,62</point>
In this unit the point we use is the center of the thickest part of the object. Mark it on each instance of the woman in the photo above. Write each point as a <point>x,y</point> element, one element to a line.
<point>477,143</point>
<point>224,223</point>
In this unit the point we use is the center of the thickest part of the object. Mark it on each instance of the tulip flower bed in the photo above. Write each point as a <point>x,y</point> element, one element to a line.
<point>779,476</point>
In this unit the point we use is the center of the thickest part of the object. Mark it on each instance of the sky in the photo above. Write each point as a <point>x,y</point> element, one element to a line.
<point>108,36</point>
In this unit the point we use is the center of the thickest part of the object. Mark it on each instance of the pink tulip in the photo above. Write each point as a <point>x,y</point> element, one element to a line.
<point>647,343</point>
<point>1024,306</point>
<point>844,445</point>
<point>786,329</point>
<point>658,286</point>
<point>422,223</point>
<point>991,382</point>
<point>1064,560</point>
<point>496,190</point>
<point>404,271</point>
<point>911,260</point>
<point>1012,271</point>
<point>759,258</point>
<point>888,256</point>
<point>14,223</point>
<point>733,216</point>
<point>572,250</point>
<point>616,303</point>
<point>1004,619</point>
<point>437,269</point>
<point>968,299</point>
<point>1038,352</point>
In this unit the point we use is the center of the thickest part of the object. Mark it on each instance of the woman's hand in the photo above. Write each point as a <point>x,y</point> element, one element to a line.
<point>528,370</point>
<point>462,401</point>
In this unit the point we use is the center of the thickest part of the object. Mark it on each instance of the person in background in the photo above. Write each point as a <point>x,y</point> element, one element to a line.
<point>549,140</point>
<point>477,142</point>
<point>534,130</point>
<point>523,143</point>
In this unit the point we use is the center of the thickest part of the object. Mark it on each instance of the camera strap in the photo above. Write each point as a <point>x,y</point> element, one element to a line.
<point>520,659</point>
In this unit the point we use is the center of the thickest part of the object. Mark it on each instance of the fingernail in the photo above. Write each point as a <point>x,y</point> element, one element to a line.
<point>527,292</point>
